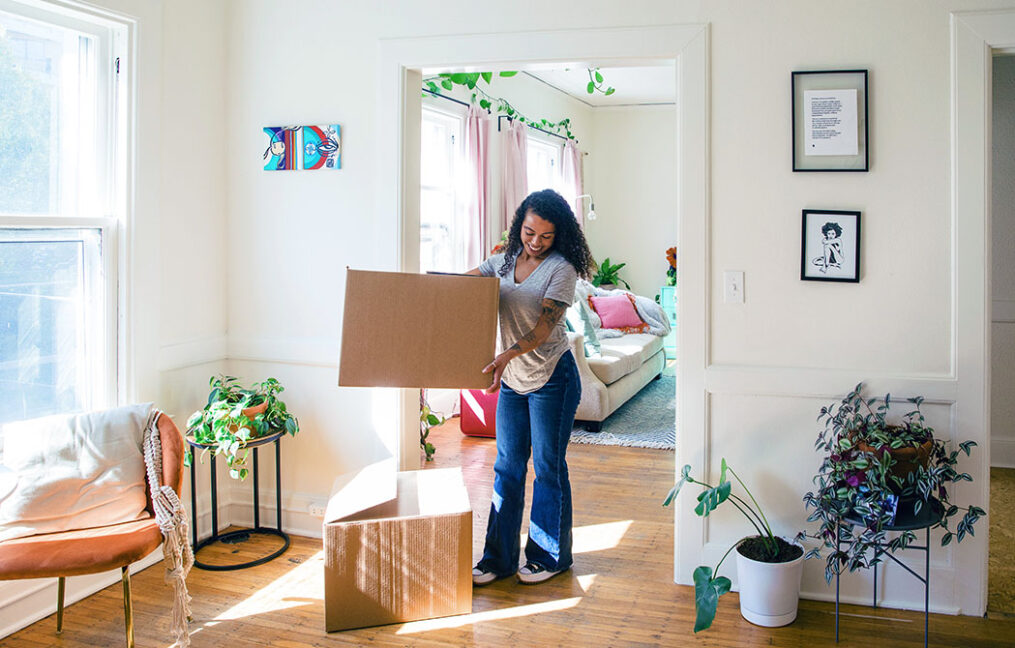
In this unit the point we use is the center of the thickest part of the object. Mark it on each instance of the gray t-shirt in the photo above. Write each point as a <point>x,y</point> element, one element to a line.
<point>520,308</point>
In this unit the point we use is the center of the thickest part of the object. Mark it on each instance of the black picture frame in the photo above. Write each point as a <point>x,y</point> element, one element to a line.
<point>830,245</point>
<point>809,84</point>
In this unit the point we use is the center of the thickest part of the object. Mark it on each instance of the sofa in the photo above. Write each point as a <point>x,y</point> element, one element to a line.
<point>624,366</point>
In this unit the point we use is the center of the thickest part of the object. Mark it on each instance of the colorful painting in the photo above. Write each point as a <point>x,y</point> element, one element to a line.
<point>303,147</point>
<point>322,147</point>
<point>282,147</point>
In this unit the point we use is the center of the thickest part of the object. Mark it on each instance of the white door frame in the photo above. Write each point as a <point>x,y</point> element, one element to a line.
<point>973,36</point>
<point>400,63</point>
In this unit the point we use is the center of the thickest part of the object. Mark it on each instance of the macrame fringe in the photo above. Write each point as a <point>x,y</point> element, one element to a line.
<point>171,518</point>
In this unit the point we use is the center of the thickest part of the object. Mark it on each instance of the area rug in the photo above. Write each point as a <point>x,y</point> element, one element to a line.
<point>647,420</point>
<point>1000,571</point>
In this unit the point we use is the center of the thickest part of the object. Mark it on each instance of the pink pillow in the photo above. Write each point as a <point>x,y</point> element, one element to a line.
<point>617,311</point>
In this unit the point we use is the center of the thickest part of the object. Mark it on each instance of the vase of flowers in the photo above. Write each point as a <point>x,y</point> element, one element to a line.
<point>671,272</point>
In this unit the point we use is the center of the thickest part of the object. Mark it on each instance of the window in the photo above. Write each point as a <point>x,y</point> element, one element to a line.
<point>442,229</point>
<point>543,165</point>
<point>61,197</point>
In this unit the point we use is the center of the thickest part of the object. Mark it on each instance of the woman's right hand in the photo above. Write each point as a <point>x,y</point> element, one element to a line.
<point>497,368</point>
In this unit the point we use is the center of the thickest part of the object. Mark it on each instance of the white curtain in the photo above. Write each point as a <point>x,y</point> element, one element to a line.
<point>514,187</point>
<point>571,168</point>
<point>477,142</point>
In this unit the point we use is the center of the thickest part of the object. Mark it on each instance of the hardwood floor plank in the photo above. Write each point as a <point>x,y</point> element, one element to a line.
<point>620,592</point>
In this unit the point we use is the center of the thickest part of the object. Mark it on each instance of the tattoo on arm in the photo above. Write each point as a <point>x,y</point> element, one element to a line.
<point>553,310</point>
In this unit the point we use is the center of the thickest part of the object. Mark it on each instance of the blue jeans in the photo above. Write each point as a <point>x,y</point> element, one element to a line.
<point>540,420</point>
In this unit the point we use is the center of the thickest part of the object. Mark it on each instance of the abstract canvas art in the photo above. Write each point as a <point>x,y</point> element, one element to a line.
<point>303,147</point>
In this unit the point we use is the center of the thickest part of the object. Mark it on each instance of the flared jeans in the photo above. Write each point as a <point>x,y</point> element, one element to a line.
<point>540,420</point>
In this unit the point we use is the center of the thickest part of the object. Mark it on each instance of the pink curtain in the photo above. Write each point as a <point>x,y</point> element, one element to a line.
<point>477,142</point>
<point>572,171</point>
<point>514,187</point>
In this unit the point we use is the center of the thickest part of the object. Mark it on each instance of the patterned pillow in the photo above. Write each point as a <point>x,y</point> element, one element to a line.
<point>578,320</point>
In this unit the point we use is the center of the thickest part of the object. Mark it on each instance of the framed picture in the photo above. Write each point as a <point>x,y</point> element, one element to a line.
<point>830,246</point>
<point>830,121</point>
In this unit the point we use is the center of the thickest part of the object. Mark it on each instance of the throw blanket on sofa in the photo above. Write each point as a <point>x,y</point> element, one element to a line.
<point>650,312</point>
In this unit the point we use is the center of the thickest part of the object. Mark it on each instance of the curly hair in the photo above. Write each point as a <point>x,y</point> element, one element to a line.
<point>568,238</point>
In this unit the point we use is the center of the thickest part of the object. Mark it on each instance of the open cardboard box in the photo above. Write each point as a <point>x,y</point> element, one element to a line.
<point>398,545</point>
<point>394,560</point>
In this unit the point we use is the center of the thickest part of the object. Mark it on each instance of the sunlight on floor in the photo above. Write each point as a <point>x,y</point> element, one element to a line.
<point>489,615</point>
<point>301,585</point>
<point>597,537</point>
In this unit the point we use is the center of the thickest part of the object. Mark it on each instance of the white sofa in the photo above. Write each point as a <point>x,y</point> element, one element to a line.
<point>626,364</point>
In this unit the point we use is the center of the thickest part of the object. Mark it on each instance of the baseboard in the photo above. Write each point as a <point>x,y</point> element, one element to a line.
<point>35,599</point>
<point>1002,453</point>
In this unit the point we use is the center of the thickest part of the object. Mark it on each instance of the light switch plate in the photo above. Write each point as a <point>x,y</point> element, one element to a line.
<point>733,287</point>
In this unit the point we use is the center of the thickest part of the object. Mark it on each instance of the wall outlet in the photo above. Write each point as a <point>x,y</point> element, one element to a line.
<point>317,509</point>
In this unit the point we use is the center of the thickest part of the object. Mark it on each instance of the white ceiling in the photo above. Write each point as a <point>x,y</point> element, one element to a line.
<point>656,84</point>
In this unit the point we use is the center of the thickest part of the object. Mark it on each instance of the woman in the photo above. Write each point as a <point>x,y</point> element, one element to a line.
<point>539,389</point>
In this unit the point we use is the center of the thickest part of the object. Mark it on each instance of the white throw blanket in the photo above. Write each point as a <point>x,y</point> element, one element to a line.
<point>172,520</point>
<point>650,312</point>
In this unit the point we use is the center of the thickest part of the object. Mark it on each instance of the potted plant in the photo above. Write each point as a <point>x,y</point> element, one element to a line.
<point>607,275</point>
<point>427,419</point>
<point>769,567</point>
<point>233,416</point>
<point>873,469</point>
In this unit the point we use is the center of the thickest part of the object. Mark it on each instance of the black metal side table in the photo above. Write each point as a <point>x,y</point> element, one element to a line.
<point>242,533</point>
<point>905,520</point>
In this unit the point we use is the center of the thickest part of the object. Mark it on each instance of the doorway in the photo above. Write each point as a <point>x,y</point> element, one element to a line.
<point>402,64</point>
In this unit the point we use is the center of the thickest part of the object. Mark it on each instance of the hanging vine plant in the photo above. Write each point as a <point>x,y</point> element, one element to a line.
<point>500,105</point>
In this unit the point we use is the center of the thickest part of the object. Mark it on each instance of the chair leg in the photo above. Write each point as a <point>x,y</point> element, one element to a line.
<point>128,615</point>
<point>61,583</point>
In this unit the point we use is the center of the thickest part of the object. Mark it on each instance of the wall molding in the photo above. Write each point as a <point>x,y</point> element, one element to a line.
<point>1003,310</point>
<point>1002,453</point>
<point>192,353</point>
<point>310,352</point>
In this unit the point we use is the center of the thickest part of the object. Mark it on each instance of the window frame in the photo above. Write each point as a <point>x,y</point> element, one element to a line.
<point>456,114</point>
<point>536,139</point>
<point>111,212</point>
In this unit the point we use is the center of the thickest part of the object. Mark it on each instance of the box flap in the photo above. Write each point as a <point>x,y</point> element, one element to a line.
<point>412,330</point>
<point>436,491</point>
<point>362,489</point>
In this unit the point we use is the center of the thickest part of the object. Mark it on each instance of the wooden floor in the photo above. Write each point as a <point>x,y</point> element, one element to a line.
<point>620,592</point>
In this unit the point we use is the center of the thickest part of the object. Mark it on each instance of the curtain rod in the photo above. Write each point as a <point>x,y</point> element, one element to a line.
<point>499,117</point>
<point>437,94</point>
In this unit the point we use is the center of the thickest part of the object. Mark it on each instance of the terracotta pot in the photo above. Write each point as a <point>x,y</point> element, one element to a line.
<point>906,459</point>
<point>250,413</point>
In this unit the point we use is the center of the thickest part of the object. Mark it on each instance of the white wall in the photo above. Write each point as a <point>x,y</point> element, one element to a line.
<point>771,362</point>
<point>633,164</point>
<point>1002,416</point>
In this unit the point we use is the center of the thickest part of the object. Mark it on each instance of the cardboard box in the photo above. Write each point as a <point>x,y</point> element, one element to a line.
<point>413,330</point>
<point>404,559</point>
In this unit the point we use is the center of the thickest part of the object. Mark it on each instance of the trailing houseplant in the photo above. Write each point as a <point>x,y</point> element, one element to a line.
<point>608,274</point>
<point>427,419</point>
<point>234,415</point>
<point>874,468</point>
<point>763,547</point>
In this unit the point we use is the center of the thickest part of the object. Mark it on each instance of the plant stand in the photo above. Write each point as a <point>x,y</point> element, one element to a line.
<point>242,533</point>
<point>905,520</point>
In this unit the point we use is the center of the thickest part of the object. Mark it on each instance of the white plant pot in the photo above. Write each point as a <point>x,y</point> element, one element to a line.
<point>769,592</point>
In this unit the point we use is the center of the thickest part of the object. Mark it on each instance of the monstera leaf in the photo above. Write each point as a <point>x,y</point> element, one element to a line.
<point>707,591</point>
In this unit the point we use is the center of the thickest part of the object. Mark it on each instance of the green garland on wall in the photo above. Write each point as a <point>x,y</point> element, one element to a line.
<point>500,105</point>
